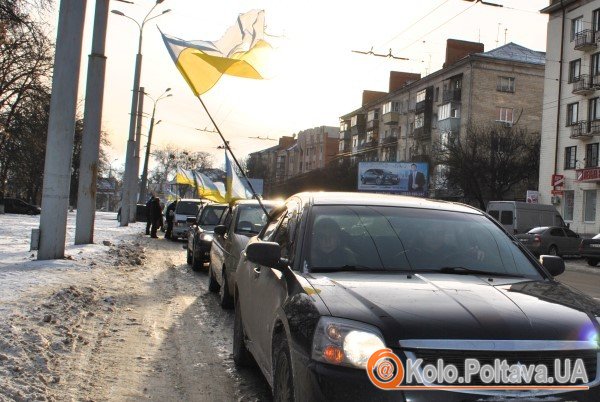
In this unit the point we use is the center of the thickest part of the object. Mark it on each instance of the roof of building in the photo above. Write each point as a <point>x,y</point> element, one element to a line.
<point>513,52</point>
<point>556,5</point>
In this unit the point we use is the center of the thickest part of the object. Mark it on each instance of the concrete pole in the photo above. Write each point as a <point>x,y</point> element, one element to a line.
<point>90,146</point>
<point>128,186</point>
<point>136,159</point>
<point>61,130</point>
<point>146,158</point>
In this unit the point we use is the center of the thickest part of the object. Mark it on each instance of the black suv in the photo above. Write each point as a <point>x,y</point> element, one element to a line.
<point>333,279</point>
<point>17,206</point>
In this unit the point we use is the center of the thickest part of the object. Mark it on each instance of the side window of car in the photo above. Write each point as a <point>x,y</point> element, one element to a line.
<point>270,228</point>
<point>226,218</point>
<point>284,235</point>
<point>557,232</point>
<point>570,233</point>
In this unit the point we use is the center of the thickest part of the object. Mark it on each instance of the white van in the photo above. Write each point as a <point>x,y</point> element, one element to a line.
<point>520,217</point>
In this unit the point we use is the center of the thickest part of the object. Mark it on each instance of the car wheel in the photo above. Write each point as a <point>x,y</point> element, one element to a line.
<point>241,355</point>
<point>283,381</point>
<point>196,262</point>
<point>226,299</point>
<point>189,257</point>
<point>553,250</point>
<point>592,262</point>
<point>213,285</point>
<point>378,181</point>
<point>173,237</point>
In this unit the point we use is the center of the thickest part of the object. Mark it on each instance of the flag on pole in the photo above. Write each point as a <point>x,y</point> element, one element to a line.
<point>183,176</point>
<point>207,189</point>
<point>236,190</point>
<point>241,52</point>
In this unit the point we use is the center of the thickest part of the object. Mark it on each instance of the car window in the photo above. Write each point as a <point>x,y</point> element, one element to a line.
<point>506,217</point>
<point>396,238</point>
<point>285,232</point>
<point>226,219</point>
<point>494,214</point>
<point>570,233</point>
<point>250,219</point>
<point>270,228</point>
<point>539,230</point>
<point>211,215</point>
<point>557,232</point>
<point>187,208</point>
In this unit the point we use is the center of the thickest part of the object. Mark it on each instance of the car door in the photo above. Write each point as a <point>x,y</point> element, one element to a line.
<point>217,253</point>
<point>573,240</point>
<point>557,237</point>
<point>270,285</point>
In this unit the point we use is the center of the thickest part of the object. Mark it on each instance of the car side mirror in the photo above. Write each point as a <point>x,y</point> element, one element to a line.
<point>220,230</point>
<point>553,264</point>
<point>264,253</point>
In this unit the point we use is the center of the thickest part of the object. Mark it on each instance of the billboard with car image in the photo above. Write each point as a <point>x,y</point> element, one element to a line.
<point>406,178</point>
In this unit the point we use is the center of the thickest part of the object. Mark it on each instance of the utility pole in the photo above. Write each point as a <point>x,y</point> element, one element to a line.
<point>90,145</point>
<point>61,130</point>
<point>133,196</point>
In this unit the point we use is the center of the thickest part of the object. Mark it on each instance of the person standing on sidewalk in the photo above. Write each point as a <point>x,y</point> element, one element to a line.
<point>155,217</point>
<point>148,214</point>
<point>170,216</point>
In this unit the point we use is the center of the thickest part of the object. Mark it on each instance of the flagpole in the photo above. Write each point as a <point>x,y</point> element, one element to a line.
<point>226,144</point>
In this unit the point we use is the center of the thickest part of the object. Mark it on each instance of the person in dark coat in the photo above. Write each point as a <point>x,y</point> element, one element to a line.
<point>155,217</point>
<point>170,215</point>
<point>148,215</point>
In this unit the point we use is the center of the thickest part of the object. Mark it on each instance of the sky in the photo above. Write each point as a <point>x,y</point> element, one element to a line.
<point>318,77</point>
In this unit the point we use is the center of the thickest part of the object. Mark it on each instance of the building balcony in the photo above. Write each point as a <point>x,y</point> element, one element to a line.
<point>585,40</point>
<point>580,130</point>
<point>368,146</point>
<point>583,85</point>
<point>345,135</point>
<point>594,127</point>
<point>391,118</point>
<point>357,129</point>
<point>391,140</point>
<point>422,133</point>
<point>420,106</point>
<point>451,124</point>
<point>449,95</point>
<point>372,124</point>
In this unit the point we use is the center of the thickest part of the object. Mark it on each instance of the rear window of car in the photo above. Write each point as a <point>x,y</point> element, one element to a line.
<point>250,219</point>
<point>506,217</point>
<point>410,239</point>
<point>539,230</point>
<point>187,208</point>
<point>211,215</point>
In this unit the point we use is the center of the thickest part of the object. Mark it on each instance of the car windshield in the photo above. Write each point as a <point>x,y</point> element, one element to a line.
<point>250,219</point>
<point>538,230</point>
<point>211,215</point>
<point>409,239</point>
<point>189,208</point>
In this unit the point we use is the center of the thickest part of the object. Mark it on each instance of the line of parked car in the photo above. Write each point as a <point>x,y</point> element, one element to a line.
<point>326,279</point>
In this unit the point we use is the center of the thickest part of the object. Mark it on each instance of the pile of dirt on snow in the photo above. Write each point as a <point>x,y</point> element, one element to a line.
<point>127,254</point>
<point>33,343</point>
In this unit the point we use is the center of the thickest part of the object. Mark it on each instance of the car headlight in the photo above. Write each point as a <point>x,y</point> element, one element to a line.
<point>345,342</point>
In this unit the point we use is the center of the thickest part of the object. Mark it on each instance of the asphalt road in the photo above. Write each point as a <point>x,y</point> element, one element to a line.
<point>582,277</point>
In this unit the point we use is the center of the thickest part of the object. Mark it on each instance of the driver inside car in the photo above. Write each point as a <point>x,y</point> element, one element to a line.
<point>328,250</point>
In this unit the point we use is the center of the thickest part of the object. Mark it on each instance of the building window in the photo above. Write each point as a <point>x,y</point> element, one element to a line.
<point>570,157</point>
<point>574,70</point>
<point>391,107</point>
<point>419,120</point>
<point>595,67</point>
<point>354,121</point>
<point>589,205</point>
<point>591,155</point>
<point>373,115</point>
<point>505,115</point>
<point>596,20</point>
<point>421,96</point>
<point>572,113</point>
<point>594,109</point>
<point>448,110</point>
<point>576,26</point>
<point>569,202</point>
<point>437,94</point>
<point>506,84</point>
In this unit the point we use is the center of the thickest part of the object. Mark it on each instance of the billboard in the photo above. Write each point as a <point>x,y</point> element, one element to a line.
<point>406,178</point>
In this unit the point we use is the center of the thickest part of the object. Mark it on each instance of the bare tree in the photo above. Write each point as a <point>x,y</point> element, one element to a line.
<point>489,161</point>
<point>169,158</point>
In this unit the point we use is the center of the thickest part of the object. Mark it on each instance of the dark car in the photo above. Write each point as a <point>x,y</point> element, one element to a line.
<point>552,240</point>
<point>379,177</point>
<point>245,219</point>
<point>335,277</point>
<point>201,233</point>
<point>590,250</point>
<point>17,206</point>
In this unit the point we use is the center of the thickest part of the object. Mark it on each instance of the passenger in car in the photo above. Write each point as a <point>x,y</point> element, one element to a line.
<point>328,250</point>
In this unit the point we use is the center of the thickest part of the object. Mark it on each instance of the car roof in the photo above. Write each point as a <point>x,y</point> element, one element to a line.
<point>343,198</point>
<point>268,203</point>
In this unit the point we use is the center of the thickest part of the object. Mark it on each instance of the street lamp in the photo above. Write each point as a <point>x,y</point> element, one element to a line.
<point>129,179</point>
<point>164,95</point>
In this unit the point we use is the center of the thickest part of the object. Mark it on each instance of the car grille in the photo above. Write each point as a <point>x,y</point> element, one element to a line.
<point>547,358</point>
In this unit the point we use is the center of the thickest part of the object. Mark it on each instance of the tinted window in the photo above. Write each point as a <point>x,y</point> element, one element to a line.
<point>538,230</point>
<point>211,215</point>
<point>570,233</point>
<point>494,214</point>
<point>506,217</point>
<point>557,232</point>
<point>187,208</point>
<point>395,238</point>
<point>250,219</point>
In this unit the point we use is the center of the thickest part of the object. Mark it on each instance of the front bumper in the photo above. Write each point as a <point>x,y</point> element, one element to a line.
<point>181,230</point>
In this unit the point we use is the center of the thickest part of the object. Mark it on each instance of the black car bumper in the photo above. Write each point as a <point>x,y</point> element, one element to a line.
<point>324,382</point>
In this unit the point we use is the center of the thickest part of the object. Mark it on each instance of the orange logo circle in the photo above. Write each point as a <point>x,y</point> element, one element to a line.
<point>385,369</point>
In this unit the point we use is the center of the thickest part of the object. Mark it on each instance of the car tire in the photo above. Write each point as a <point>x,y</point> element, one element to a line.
<point>226,299</point>
<point>213,285</point>
<point>241,355</point>
<point>378,181</point>
<point>189,257</point>
<point>173,237</point>
<point>553,250</point>
<point>196,262</point>
<point>283,380</point>
<point>592,262</point>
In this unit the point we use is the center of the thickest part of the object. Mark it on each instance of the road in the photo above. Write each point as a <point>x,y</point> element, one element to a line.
<point>581,276</point>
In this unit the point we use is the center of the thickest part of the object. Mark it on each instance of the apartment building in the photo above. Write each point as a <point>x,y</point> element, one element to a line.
<point>569,170</point>
<point>502,86</point>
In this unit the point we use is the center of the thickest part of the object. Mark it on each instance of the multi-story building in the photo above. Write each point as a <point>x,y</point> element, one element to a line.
<point>571,118</point>
<point>503,85</point>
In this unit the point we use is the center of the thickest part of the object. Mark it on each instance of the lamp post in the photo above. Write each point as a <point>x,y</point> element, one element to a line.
<point>143,184</point>
<point>128,179</point>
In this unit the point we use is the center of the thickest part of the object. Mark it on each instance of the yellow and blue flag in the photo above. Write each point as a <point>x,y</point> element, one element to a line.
<point>235,189</point>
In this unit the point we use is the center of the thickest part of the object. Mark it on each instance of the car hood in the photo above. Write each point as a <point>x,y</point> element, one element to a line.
<point>434,306</point>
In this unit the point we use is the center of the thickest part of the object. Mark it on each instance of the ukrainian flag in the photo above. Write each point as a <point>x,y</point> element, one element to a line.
<point>241,52</point>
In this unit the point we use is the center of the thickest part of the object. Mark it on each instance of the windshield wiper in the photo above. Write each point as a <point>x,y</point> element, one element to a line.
<point>469,271</point>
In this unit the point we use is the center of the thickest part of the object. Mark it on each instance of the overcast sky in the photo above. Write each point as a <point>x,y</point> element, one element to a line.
<point>318,77</point>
